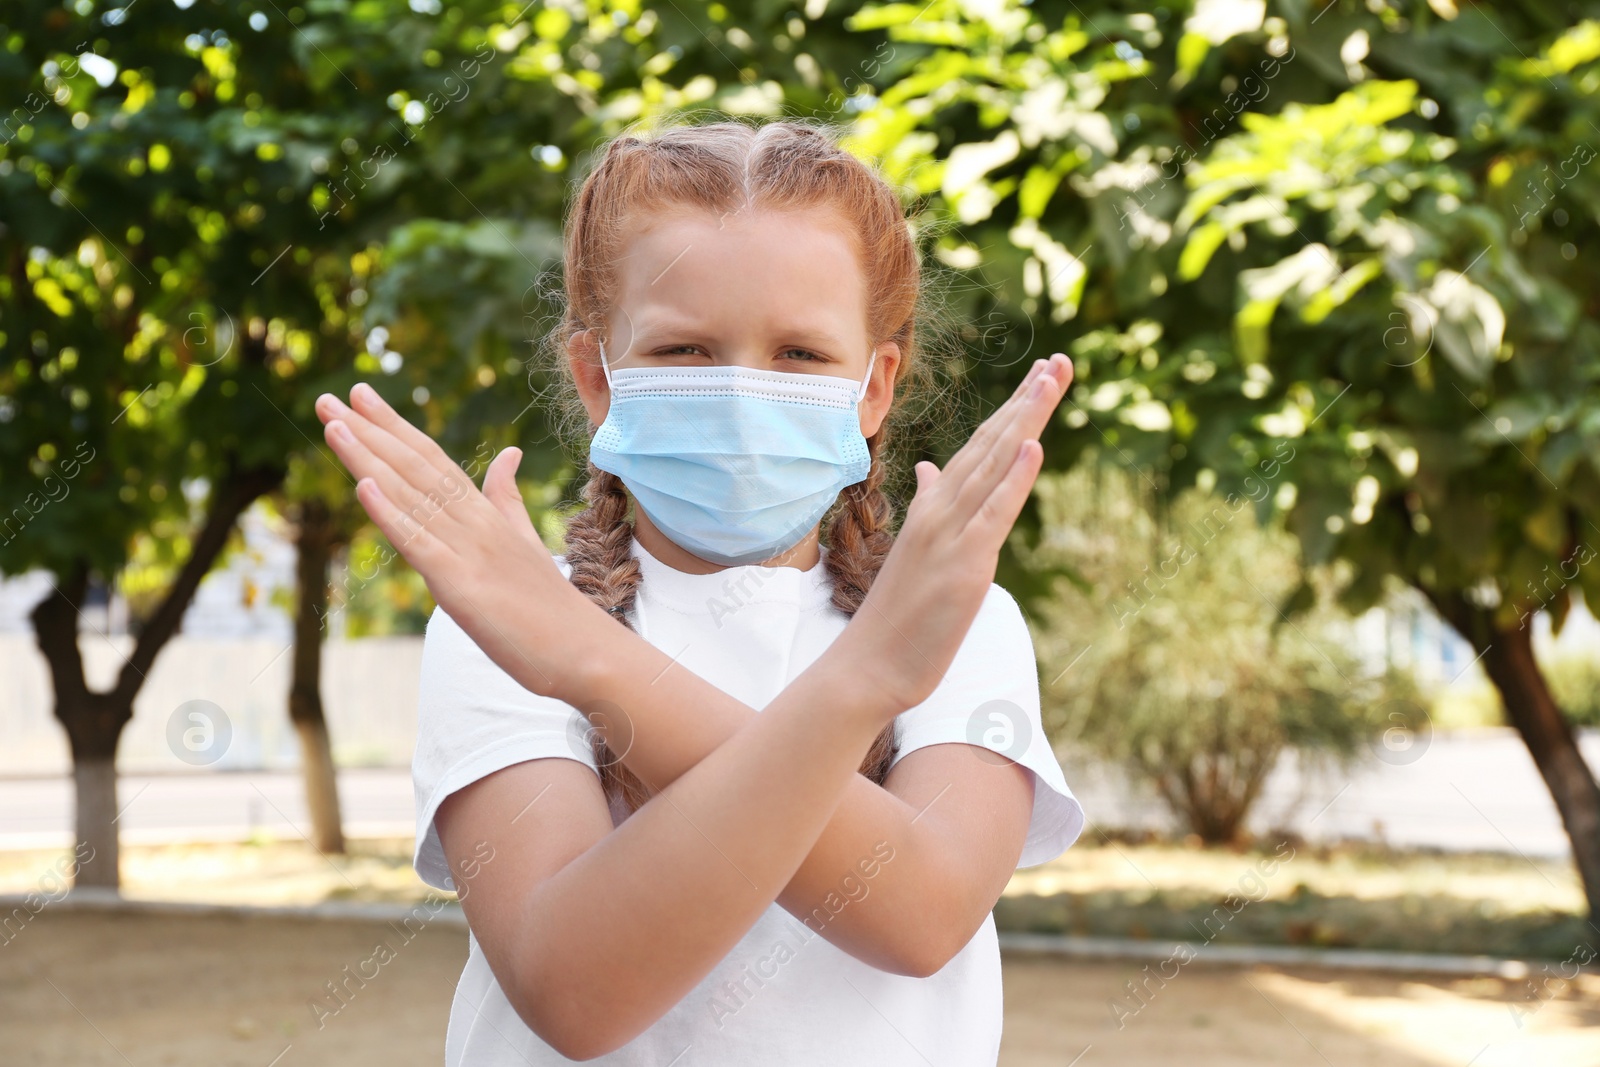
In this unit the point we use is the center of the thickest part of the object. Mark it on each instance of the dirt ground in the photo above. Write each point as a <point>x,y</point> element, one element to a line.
<point>86,989</point>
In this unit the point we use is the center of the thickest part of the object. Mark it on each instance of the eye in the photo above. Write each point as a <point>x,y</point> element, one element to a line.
<point>803,354</point>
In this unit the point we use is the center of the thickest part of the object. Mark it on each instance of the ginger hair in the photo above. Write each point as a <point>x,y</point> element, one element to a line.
<point>724,167</point>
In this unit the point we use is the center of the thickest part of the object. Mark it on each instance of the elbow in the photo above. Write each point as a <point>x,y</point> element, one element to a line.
<point>922,954</point>
<point>565,1024</point>
<point>922,962</point>
<point>929,946</point>
<point>580,1050</point>
<point>576,1045</point>
<point>573,1040</point>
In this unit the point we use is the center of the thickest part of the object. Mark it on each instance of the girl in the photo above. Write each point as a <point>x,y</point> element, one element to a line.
<point>815,764</point>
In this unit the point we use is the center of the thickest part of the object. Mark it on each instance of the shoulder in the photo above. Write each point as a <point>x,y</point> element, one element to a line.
<point>998,603</point>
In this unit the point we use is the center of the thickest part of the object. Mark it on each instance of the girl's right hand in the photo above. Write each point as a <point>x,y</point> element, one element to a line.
<point>479,553</point>
<point>923,601</point>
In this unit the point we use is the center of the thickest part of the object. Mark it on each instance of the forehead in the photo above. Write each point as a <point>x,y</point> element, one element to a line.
<point>746,269</point>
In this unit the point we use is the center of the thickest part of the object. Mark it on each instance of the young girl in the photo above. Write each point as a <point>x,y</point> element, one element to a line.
<point>712,789</point>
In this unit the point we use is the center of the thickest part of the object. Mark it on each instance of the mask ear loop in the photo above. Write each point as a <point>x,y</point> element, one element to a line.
<point>866,380</point>
<point>603,365</point>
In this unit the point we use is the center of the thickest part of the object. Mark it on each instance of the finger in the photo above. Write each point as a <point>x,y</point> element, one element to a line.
<point>1060,366</point>
<point>1027,421</point>
<point>927,473</point>
<point>1038,412</point>
<point>421,507</point>
<point>420,547</point>
<point>427,469</point>
<point>993,519</point>
<point>983,440</point>
<point>408,478</point>
<point>365,399</point>
<point>1026,411</point>
<point>500,487</point>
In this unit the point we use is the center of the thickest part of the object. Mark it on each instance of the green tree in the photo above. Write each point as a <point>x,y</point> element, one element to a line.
<point>197,206</point>
<point>176,291</point>
<point>1352,229</point>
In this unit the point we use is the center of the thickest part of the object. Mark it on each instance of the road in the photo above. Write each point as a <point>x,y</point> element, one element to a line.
<point>1465,790</point>
<point>206,806</point>
<point>1476,790</point>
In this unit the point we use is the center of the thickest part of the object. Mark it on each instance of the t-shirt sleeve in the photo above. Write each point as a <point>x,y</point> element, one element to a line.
<point>474,719</point>
<point>990,698</point>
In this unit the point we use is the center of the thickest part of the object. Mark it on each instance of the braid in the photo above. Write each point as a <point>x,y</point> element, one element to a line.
<point>859,540</point>
<point>599,539</point>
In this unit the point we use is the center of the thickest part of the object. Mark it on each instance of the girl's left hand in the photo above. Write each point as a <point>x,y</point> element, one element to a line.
<point>478,551</point>
<point>937,575</point>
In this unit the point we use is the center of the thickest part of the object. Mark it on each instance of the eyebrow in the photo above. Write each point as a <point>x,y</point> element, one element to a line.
<point>654,331</point>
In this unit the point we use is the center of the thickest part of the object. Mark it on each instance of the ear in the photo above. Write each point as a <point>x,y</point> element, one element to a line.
<point>879,397</point>
<point>583,359</point>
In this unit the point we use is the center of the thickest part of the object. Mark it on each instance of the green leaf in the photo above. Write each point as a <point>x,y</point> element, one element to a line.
<point>1309,269</point>
<point>1202,244</point>
<point>883,15</point>
<point>1547,526</point>
<point>1038,186</point>
<point>1515,418</point>
<point>1192,51</point>
<point>1469,326</point>
<point>1324,301</point>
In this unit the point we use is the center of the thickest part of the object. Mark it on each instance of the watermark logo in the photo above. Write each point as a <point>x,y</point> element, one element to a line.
<point>1000,728</point>
<point>604,721</point>
<point>1407,732</point>
<point>199,732</point>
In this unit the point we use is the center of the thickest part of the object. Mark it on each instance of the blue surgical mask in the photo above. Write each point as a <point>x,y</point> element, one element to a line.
<point>731,463</point>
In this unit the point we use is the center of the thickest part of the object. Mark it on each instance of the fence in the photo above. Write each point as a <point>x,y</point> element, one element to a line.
<point>369,689</point>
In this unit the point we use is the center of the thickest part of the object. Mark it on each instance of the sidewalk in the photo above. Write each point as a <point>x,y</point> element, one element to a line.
<point>1465,791</point>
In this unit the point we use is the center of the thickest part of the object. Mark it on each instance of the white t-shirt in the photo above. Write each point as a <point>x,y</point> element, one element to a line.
<point>784,995</point>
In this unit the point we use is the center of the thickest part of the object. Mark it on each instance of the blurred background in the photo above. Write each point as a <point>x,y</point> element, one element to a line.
<point>1306,572</point>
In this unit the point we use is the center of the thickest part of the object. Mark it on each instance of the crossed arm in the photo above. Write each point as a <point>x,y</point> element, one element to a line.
<point>594,933</point>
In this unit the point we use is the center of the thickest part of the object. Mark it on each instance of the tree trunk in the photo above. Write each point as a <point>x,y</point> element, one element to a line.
<point>314,540</point>
<point>95,784</point>
<point>94,720</point>
<point>1509,660</point>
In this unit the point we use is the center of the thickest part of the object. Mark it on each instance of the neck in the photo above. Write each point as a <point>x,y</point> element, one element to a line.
<point>802,556</point>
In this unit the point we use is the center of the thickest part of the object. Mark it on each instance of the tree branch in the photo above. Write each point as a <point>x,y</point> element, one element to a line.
<point>229,499</point>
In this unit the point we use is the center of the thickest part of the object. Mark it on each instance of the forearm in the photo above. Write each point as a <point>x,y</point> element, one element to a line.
<point>624,931</point>
<point>668,727</point>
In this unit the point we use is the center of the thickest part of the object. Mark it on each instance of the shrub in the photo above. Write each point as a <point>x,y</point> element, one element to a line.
<point>1166,650</point>
<point>1574,680</point>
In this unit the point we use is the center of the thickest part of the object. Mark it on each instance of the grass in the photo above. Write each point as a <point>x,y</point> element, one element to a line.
<point>1347,896</point>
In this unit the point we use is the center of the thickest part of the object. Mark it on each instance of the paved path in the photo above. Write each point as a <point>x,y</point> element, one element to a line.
<point>1474,790</point>
<point>1464,791</point>
<point>37,812</point>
